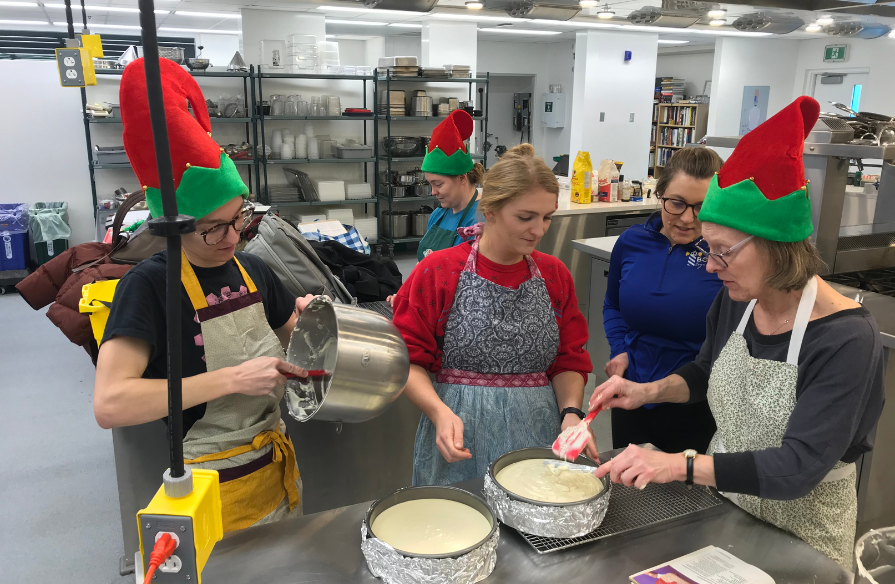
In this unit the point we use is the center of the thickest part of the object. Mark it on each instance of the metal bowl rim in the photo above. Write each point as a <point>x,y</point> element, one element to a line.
<point>328,304</point>
<point>495,522</point>
<point>549,455</point>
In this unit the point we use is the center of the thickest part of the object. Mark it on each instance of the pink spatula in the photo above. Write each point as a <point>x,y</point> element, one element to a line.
<point>572,441</point>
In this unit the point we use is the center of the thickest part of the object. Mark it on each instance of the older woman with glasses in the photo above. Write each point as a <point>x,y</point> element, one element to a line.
<point>792,370</point>
<point>656,301</point>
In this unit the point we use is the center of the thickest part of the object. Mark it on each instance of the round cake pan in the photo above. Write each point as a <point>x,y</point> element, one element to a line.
<point>560,520</point>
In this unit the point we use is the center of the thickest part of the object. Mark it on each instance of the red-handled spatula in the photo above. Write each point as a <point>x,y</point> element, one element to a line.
<point>572,441</point>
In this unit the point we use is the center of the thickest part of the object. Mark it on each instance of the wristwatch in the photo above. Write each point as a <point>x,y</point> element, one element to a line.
<point>691,456</point>
<point>576,411</point>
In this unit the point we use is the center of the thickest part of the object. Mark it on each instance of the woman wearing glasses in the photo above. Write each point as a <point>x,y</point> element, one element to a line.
<point>237,319</point>
<point>792,370</point>
<point>657,298</point>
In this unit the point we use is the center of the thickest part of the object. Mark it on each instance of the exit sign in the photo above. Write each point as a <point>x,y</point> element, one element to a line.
<point>835,52</point>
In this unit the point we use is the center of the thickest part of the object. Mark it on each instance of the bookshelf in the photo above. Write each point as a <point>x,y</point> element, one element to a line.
<point>677,124</point>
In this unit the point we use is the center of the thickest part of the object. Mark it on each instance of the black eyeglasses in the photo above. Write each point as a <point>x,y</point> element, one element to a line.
<point>719,257</point>
<point>678,207</point>
<point>216,234</point>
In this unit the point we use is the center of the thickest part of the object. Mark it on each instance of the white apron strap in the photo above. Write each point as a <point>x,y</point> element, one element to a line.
<point>800,324</point>
<point>741,328</point>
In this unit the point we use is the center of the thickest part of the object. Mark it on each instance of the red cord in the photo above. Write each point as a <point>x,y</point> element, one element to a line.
<point>162,550</point>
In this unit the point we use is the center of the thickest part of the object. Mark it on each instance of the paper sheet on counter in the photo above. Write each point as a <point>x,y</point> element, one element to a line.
<point>710,565</point>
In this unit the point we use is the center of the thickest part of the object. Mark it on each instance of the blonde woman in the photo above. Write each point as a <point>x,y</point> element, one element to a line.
<point>498,324</point>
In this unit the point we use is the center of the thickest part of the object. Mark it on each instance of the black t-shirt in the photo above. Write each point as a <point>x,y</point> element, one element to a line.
<point>139,311</point>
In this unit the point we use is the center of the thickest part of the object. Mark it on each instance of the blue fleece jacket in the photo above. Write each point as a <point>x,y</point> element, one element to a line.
<point>656,302</point>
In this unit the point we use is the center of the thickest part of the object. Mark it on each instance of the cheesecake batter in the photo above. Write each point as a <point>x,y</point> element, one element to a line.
<point>549,481</point>
<point>431,526</point>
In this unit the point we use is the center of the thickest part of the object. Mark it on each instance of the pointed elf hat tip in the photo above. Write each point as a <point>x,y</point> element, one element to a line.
<point>446,154</point>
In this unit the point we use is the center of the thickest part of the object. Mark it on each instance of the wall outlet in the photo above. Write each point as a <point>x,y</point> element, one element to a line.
<point>632,118</point>
<point>602,116</point>
<point>171,566</point>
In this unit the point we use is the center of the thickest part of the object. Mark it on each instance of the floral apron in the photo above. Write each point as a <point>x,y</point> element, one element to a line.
<point>752,401</point>
<point>498,345</point>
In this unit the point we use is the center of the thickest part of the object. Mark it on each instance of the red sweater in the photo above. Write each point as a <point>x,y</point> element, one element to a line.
<point>423,304</point>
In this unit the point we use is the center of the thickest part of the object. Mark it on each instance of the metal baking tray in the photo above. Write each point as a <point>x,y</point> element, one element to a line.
<point>631,509</point>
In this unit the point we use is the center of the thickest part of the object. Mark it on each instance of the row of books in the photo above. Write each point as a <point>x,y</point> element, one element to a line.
<point>671,89</point>
<point>681,116</point>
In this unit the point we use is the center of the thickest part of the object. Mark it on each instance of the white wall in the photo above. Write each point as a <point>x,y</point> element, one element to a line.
<point>258,25</point>
<point>500,114</point>
<point>694,68</point>
<point>740,62</point>
<point>46,154</point>
<point>352,52</point>
<point>604,82</point>
<point>550,63</point>
<point>404,46</point>
<point>220,48</point>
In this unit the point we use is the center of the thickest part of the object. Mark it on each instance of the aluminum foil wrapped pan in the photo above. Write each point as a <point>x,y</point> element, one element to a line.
<point>394,568</point>
<point>546,519</point>
<point>462,567</point>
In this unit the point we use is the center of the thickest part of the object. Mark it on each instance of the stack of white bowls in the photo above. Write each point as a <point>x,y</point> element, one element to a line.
<point>276,144</point>
<point>301,53</point>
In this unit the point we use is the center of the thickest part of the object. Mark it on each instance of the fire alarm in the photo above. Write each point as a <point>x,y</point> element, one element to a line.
<point>627,56</point>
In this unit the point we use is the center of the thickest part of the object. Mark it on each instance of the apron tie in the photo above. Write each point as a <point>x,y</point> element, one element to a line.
<point>282,450</point>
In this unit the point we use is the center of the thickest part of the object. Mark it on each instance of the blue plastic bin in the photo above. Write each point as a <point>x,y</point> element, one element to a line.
<point>13,251</point>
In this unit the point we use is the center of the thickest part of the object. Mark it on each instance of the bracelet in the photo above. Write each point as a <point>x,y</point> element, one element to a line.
<point>576,411</point>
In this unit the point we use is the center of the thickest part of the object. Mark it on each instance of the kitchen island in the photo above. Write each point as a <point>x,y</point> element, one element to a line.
<point>876,469</point>
<point>324,548</point>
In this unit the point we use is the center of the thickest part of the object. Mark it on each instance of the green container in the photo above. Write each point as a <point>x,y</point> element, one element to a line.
<point>47,250</point>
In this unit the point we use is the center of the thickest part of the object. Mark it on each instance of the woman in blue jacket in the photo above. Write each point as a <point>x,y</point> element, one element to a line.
<point>657,298</point>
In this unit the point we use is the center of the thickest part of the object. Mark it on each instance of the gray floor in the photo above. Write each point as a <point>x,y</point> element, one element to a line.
<point>58,495</point>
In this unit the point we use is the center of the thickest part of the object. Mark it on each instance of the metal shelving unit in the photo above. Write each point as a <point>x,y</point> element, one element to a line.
<point>383,83</point>
<point>260,77</point>
<point>250,125</point>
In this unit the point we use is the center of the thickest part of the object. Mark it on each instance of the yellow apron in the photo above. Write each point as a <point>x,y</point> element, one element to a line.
<point>241,436</point>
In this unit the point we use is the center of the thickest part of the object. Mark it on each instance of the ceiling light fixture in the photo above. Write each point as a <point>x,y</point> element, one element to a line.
<point>106,9</point>
<point>825,19</point>
<point>19,4</point>
<point>521,31</point>
<point>717,12</point>
<point>892,35</point>
<point>94,25</point>
<point>718,22</point>
<point>664,42</point>
<point>588,3</point>
<point>813,27</point>
<point>475,5</point>
<point>406,25</point>
<point>194,30</point>
<point>693,30</point>
<point>578,24</point>
<point>357,22</point>
<point>477,18</point>
<point>29,22</point>
<point>605,13</point>
<point>209,14</point>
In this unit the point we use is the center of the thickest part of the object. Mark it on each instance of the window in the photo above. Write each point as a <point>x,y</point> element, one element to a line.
<point>856,98</point>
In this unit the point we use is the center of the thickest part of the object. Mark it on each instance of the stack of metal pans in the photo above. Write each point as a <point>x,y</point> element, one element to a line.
<point>434,72</point>
<point>391,103</point>
<point>400,66</point>
<point>420,104</point>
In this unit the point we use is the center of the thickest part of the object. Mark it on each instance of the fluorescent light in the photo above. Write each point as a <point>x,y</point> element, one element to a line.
<point>825,19</point>
<point>663,42</point>
<point>521,31</point>
<point>94,25</point>
<point>209,14</point>
<point>19,4</point>
<point>718,22</point>
<point>475,5</point>
<point>588,3</point>
<point>717,13</point>
<point>477,18</point>
<point>195,30</point>
<point>105,8</point>
<point>814,27</point>
<point>357,22</point>
<point>406,25</point>
<point>34,22</point>
<point>385,12</point>
<point>892,35</point>
<point>578,24</point>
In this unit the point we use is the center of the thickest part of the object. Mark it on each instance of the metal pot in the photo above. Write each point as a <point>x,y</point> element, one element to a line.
<point>402,146</point>
<point>407,179</point>
<point>395,224</point>
<point>418,175</point>
<point>362,359</point>
<point>423,190</point>
<point>420,222</point>
<point>401,191</point>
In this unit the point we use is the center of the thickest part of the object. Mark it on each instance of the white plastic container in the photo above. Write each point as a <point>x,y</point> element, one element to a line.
<point>311,218</point>
<point>273,55</point>
<point>341,214</point>
<point>331,190</point>
<point>358,191</point>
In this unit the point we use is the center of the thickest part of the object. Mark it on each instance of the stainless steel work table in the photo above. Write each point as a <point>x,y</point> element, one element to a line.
<point>324,548</point>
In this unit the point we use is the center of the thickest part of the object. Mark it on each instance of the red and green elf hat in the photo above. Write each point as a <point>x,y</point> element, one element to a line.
<point>761,189</point>
<point>204,176</point>
<point>446,154</point>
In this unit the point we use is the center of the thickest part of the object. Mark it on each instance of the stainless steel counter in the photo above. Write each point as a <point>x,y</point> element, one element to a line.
<point>325,548</point>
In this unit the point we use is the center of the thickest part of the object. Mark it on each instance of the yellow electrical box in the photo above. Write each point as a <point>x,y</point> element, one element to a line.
<point>96,300</point>
<point>195,519</point>
<point>75,67</point>
<point>93,44</point>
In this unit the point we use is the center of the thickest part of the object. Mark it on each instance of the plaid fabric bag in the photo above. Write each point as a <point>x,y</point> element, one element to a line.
<point>352,239</point>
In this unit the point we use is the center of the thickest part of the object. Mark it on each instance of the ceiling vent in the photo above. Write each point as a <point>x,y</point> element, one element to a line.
<point>407,5</point>
<point>651,16</point>
<point>768,22</point>
<point>857,29</point>
<point>536,10</point>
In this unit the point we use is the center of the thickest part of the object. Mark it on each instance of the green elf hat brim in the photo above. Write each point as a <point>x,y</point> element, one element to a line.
<point>202,190</point>
<point>437,162</point>
<point>742,206</point>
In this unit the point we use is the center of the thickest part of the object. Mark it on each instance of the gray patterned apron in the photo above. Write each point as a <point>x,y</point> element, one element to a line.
<point>752,401</point>
<point>498,345</point>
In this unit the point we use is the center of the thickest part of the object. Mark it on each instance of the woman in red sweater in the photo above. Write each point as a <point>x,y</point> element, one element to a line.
<point>498,324</point>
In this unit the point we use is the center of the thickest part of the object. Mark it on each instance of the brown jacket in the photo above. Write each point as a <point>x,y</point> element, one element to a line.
<point>58,284</point>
